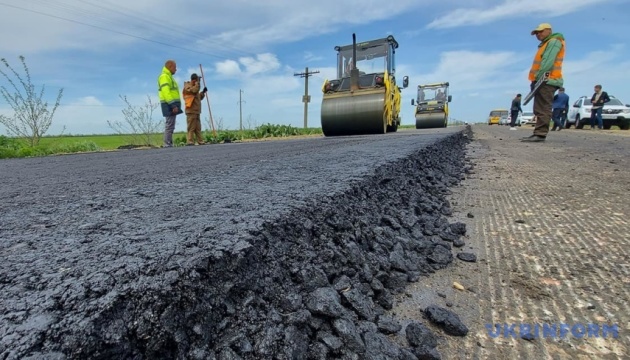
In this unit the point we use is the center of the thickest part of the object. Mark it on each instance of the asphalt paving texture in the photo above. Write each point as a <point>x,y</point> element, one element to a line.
<point>288,250</point>
<point>548,223</point>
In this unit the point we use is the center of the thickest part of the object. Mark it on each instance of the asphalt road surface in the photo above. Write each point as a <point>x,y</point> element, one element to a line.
<point>284,249</point>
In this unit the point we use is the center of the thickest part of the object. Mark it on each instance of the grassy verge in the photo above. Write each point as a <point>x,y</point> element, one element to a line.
<point>67,144</point>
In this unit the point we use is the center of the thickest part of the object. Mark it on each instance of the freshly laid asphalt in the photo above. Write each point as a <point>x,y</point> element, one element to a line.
<point>286,249</point>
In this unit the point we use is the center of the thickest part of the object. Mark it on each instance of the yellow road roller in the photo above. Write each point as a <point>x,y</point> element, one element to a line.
<point>364,98</point>
<point>432,106</point>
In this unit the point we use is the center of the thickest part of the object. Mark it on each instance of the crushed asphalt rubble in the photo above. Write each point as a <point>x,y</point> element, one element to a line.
<point>291,256</point>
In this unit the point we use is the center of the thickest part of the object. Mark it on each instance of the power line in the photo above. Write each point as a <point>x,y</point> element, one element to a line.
<point>115,31</point>
<point>152,21</point>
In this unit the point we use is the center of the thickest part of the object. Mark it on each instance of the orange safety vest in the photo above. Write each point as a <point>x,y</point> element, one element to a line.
<point>556,71</point>
<point>188,99</point>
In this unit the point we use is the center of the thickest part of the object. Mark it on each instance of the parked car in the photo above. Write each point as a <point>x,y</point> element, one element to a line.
<point>614,113</point>
<point>495,116</point>
<point>528,118</point>
<point>507,120</point>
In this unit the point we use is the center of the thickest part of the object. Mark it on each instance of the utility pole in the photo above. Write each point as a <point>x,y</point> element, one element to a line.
<point>240,108</point>
<point>306,98</point>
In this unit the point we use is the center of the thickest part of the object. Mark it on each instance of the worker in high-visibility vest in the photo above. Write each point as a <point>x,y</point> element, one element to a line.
<point>170,101</point>
<point>548,58</point>
<point>192,100</point>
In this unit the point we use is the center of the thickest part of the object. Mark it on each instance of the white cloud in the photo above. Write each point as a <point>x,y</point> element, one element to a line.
<point>248,66</point>
<point>87,101</point>
<point>310,57</point>
<point>508,9</point>
<point>465,70</point>
<point>262,63</point>
<point>287,21</point>
<point>228,68</point>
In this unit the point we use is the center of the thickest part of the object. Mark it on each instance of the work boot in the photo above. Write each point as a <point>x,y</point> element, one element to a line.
<point>534,138</point>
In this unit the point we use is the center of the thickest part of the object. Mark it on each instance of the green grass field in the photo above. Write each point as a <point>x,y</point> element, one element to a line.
<point>104,142</point>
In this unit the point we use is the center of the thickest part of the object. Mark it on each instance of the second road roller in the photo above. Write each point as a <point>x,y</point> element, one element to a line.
<point>364,98</point>
<point>432,106</point>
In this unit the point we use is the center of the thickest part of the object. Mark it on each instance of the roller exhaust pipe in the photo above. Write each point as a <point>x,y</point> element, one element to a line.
<point>354,73</point>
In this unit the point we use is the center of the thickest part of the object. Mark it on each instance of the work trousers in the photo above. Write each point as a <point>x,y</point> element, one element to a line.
<point>193,126</point>
<point>169,127</point>
<point>543,101</point>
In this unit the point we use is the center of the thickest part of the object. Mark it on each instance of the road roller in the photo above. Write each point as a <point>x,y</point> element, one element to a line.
<point>364,98</point>
<point>432,106</point>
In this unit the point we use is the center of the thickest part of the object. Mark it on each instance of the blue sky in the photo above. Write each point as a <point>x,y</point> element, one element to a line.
<point>483,49</point>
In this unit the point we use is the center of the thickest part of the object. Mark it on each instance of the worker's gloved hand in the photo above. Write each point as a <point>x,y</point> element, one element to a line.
<point>205,89</point>
<point>532,85</point>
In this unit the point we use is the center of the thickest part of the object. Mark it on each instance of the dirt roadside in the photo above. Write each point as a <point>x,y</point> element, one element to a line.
<point>549,225</point>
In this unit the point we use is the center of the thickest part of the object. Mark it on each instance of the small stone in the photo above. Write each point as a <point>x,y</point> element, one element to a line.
<point>426,353</point>
<point>449,304</point>
<point>442,295</point>
<point>468,257</point>
<point>419,335</point>
<point>470,216</point>
<point>459,243</point>
<point>388,325</point>
<point>591,307</point>
<point>528,336</point>
<point>447,320</point>
<point>520,221</point>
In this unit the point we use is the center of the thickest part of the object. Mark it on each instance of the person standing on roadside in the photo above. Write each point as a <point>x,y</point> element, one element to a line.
<point>514,110</point>
<point>170,102</point>
<point>548,58</point>
<point>192,100</point>
<point>560,107</point>
<point>598,100</point>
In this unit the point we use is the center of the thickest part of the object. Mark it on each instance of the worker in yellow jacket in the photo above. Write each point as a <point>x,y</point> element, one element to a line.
<point>192,101</point>
<point>170,101</point>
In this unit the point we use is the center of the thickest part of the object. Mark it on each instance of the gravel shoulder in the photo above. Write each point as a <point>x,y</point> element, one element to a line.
<point>549,225</point>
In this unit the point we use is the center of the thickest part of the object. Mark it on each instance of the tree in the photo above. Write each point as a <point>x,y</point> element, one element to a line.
<point>32,117</point>
<point>138,124</point>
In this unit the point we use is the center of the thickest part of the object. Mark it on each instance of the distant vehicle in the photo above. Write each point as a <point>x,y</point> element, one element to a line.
<point>528,118</point>
<point>504,120</point>
<point>495,116</point>
<point>507,120</point>
<point>432,105</point>
<point>614,113</point>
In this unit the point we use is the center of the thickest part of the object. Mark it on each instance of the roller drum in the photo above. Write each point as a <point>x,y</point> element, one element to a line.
<point>430,121</point>
<point>353,114</point>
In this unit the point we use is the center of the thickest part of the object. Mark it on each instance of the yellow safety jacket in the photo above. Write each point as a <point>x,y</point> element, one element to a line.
<point>168,91</point>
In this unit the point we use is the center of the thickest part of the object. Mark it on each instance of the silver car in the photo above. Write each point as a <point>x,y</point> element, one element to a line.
<point>528,118</point>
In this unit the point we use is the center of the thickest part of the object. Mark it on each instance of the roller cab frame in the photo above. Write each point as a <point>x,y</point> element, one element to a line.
<point>364,98</point>
<point>432,105</point>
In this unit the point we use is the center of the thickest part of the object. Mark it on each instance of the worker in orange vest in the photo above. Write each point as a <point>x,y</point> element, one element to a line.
<point>192,99</point>
<point>548,58</point>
